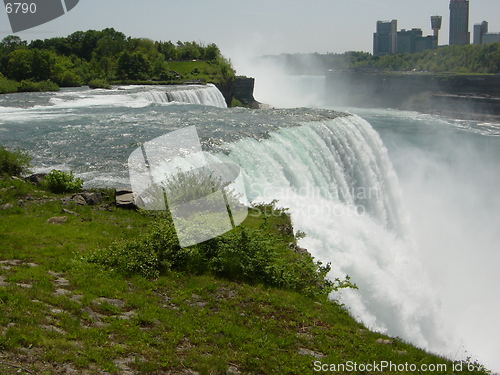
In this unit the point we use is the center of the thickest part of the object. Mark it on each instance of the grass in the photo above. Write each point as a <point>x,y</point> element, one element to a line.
<point>197,71</point>
<point>59,312</point>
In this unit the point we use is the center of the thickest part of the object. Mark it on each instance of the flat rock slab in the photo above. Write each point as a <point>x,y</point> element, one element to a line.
<point>57,220</point>
<point>125,199</point>
<point>90,199</point>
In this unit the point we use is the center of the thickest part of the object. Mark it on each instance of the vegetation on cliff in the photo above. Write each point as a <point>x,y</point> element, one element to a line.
<point>483,59</point>
<point>108,56</point>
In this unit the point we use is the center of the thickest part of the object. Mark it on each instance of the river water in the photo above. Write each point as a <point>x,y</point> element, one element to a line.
<point>404,203</point>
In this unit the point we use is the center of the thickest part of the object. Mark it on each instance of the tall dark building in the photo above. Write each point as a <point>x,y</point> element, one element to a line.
<point>479,31</point>
<point>459,22</point>
<point>407,40</point>
<point>385,39</point>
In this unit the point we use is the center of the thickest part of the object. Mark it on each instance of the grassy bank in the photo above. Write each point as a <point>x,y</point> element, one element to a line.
<point>61,313</point>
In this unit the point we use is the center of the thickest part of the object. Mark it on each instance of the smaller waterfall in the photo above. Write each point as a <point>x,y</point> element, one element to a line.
<point>198,94</point>
<point>193,94</point>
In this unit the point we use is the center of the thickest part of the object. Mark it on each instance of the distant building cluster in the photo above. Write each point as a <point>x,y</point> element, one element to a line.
<point>387,40</point>
<point>482,36</point>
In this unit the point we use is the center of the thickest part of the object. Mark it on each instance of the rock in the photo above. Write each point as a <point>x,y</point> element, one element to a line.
<point>303,351</point>
<point>57,220</point>
<point>233,370</point>
<point>128,315</point>
<point>79,199</point>
<point>298,249</point>
<point>61,281</point>
<point>61,292</point>
<point>93,198</point>
<point>76,297</point>
<point>113,302</point>
<point>65,211</point>
<point>52,328</point>
<point>7,206</point>
<point>36,178</point>
<point>125,199</point>
<point>90,199</point>
<point>3,282</point>
<point>122,192</point>
<point>12,262</point>
<point>23,285</point>
<point>382,341</point>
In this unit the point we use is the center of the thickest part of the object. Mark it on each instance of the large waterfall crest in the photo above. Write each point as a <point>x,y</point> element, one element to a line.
<point>337,180</point>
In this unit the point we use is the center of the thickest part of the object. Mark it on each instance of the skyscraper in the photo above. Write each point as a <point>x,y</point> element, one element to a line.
<point>479,31</point>
<point>459,22</point>
<point>385,39</point>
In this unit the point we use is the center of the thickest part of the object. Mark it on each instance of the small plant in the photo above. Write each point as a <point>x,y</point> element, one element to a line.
<point>30,86</point>
<point>63,182</point>
<point>7,86</point>
<point>236,103</point>
<point>191,185</point>
<point>299,235</point>
<point>13,163</point>
<point>99,84</point>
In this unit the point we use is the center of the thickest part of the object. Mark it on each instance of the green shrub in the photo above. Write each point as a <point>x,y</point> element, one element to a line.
<point>13,163</point>
<point>7,86</point>
<point>30,86</point>
<point>236,103</point>
<point>244,254</point>
<point>68,79</point>
<point>99,84</point>
<point>61,182</point>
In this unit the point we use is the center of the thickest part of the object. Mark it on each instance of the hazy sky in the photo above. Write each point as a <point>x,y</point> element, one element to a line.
<point>258,26</point>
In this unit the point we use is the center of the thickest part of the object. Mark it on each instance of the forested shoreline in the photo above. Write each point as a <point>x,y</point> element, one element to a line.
<point>469,59</point>
<point>100,58</point>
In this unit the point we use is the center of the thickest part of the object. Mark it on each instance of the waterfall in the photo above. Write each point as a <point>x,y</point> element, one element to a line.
<point>336,178</point>
<point>193,94</point>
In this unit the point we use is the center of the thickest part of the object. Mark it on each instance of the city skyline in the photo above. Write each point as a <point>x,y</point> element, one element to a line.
<point>265,27</point>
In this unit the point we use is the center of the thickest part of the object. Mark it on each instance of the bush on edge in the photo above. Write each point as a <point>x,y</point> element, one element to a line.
<point>13,163</point>
<point>62,182</point>
<point>97,83</point>
<point>244,254</point>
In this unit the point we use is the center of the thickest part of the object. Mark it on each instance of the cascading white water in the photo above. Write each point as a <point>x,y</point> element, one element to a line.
<point>338,182</point>
<point>193,94</point>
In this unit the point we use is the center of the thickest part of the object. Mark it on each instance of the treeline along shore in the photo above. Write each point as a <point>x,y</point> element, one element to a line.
<point>102,58</point>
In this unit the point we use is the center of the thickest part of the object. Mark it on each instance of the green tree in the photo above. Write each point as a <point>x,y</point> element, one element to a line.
<point>212,52</point>
<point>42,64</point>
<point>20,64</point>
<point>133,66</point>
